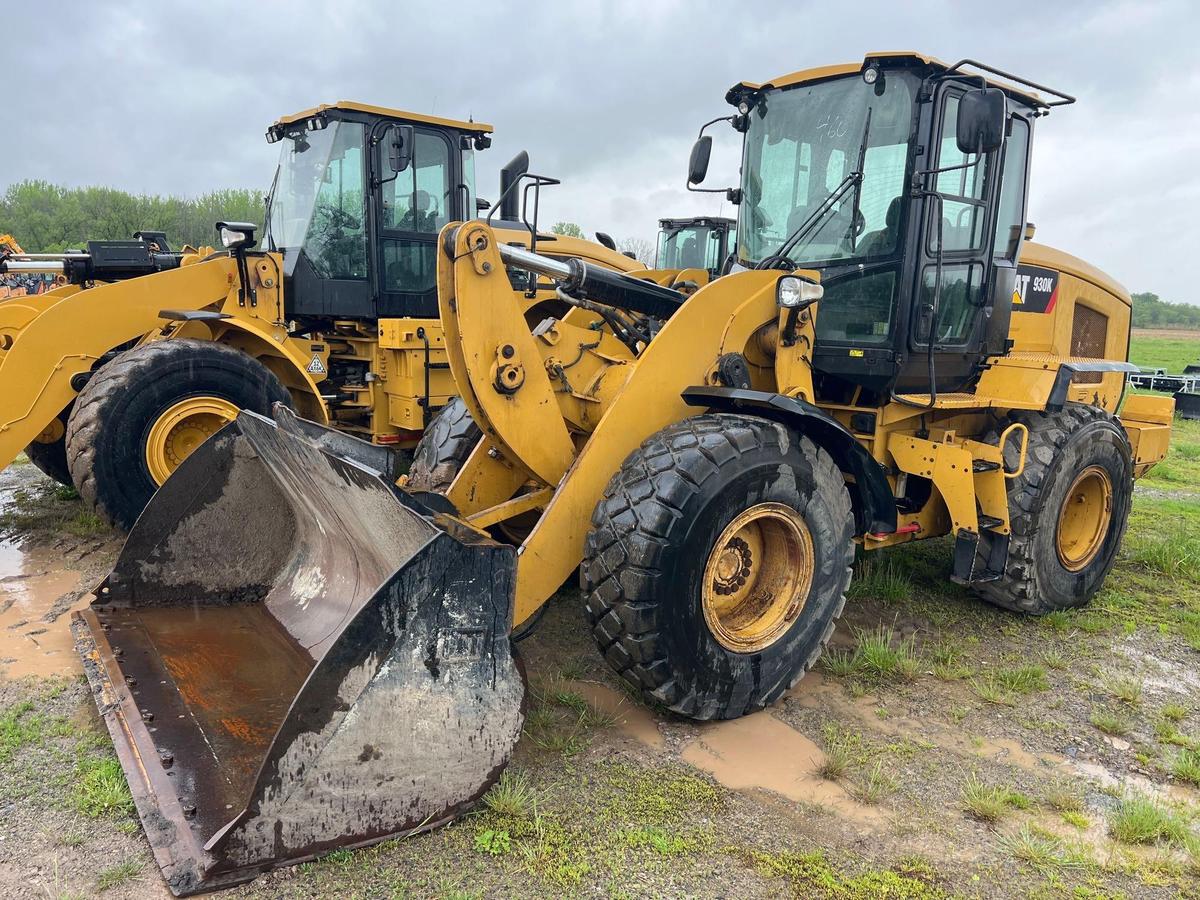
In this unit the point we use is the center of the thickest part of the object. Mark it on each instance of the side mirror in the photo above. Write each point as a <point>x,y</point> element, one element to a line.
<point>698,163</point>
<point>482,205</point>
<point>399,143</point>
<point>605,240</point>
<point>982,116</point>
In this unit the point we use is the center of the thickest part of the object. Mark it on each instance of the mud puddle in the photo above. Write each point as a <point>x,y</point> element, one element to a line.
<point>631,719</point>
<point>38,591</point>
<point>760,752</point>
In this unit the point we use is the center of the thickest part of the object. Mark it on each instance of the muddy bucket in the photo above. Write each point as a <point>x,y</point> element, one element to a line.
<point>292,655</point>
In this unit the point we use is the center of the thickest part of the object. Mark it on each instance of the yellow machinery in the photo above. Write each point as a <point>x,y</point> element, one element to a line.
<point>692,252</point>
<point>110,380</point>
<point>293,653</point>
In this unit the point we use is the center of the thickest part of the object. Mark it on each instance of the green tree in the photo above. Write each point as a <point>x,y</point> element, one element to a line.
<point>1150,311</point>
<point>567,229</point>
<point>48,218</point>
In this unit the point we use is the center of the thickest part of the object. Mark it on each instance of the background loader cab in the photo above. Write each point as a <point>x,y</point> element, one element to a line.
<point>704,242</point>
<point>359,197</point>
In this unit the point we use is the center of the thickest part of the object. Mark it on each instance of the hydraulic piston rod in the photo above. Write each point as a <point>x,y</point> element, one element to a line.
<point>597,283</point>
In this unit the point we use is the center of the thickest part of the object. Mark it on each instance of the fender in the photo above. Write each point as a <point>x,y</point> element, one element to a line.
<point>870,492</point>
<point>267,342</point>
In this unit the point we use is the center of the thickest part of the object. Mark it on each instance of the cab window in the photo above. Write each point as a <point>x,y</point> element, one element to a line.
<point>419,198</point>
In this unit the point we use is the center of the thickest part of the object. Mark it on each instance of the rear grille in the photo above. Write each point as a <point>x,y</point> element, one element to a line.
<point>1089,337</point>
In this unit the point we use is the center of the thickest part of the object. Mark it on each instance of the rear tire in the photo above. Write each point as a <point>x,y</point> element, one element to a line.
<point>115,415</point>
<point>681,606</point>
<point>1071,453</point>
<point>444,448</point>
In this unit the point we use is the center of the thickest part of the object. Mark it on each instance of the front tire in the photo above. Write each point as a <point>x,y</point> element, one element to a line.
<point>717,564</point>
<point>1069,509</point>
<point>144,412</point>
<point>444,448</point>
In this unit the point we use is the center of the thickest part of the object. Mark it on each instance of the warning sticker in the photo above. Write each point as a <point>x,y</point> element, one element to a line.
<point>1036,290</point>
<point>316,367</point>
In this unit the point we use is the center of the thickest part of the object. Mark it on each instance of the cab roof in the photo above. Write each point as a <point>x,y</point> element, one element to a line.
<point>696,220</point>
<point>370,109</point>
<point>1018,92</point>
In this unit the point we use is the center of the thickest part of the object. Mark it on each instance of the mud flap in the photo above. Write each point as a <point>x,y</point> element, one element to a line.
<point>293,655</point>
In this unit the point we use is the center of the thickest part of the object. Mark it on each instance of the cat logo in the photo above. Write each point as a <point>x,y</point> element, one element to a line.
<point>316,367</point>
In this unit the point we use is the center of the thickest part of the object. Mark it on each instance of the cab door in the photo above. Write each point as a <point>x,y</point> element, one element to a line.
<point>413,207</point>
<point>956,275</point>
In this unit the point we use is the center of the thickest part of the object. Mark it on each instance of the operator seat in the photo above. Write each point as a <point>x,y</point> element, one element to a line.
<point>883,240</point>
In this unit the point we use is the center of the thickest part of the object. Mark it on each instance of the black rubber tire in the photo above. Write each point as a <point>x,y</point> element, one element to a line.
<point>1061,445</point>
<point>443,448</point>
<point>51,459</point>
<point>113,414</point>
<point>651,534</point>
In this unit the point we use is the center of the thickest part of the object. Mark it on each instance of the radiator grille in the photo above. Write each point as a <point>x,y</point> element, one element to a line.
<point>1089,337</point>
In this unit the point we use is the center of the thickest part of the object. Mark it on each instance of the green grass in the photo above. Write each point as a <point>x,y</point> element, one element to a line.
<point>100,788</point>
<point>21,725</point>
<point>1041,849</point>
<point>1143,820</point>
<point>1003,686</point>
<point>812,875</point>
<point>1186,767</point>
<point>511,796</point>
<point>1111,723</point>
<point>880,577</point>
<point>85,524</point>
<point>1065,798</point>
<point>658,840</point>
<point>876,786</point>
<point>990,802</point>
<point>1126,689</point>
<point>1155,351</point>
<point>1174,712</point>
<point>838,754</point>
<point>884,656</point>
<point>119,874</point>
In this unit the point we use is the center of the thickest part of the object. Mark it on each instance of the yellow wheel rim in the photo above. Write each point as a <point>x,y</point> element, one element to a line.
<point>757,577</point>
<point>1084,518</point>
<point>181,429</point>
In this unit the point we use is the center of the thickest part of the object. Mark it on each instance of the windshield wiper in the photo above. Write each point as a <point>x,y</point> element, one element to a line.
<point>862,162</point>
<point>807,228</point>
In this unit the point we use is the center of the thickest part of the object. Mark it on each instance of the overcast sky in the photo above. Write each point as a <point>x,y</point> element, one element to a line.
<point>606,96</point>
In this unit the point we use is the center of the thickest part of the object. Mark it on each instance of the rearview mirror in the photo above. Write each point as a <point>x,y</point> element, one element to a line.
<point>982,115</point>
<point>698,164</point>
<point>399,142</point>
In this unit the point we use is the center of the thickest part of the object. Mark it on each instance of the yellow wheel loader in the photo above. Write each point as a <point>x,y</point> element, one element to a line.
<point>294,653</point>
<point>112,379</point>
<point>692,252</point>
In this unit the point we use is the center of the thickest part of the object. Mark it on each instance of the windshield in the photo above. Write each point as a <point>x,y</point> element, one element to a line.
<point>317,203</point>
<point>689,247</point>
<point>804,142</point>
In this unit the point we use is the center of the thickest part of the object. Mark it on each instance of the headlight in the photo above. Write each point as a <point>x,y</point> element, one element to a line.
<point>795,292</point>
<point>237,235</point>
<point>230,237</point>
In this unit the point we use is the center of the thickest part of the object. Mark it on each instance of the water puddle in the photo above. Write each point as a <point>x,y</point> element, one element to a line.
<point>631,719</point>
<point>761,752</point>
<point>35,606</point>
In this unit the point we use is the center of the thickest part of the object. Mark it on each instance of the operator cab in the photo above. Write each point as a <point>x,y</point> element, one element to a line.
<point>704,242</point>
<point>358,199</point>
<point>902,180</point>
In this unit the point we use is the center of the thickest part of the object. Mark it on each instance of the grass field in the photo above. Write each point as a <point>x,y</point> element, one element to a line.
<point>1172,350</point>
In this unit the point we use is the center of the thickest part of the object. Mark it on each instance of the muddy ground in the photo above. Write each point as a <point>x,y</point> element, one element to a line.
<point>942,749</point>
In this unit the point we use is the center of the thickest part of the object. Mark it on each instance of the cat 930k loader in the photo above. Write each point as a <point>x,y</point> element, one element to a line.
<point>294,653</point>
<point>111,379</point>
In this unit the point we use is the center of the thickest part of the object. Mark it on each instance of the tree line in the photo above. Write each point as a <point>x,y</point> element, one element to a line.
<point>1150,311</point>
<point>49,218</point>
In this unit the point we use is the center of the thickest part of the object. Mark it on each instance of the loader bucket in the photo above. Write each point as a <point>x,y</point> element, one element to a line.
<point>292,655</point>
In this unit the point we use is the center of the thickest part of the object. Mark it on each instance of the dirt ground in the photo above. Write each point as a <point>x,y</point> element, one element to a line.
<point>943,748</point>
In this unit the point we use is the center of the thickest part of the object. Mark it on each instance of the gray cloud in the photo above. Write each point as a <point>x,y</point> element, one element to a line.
<point>607,96</point>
